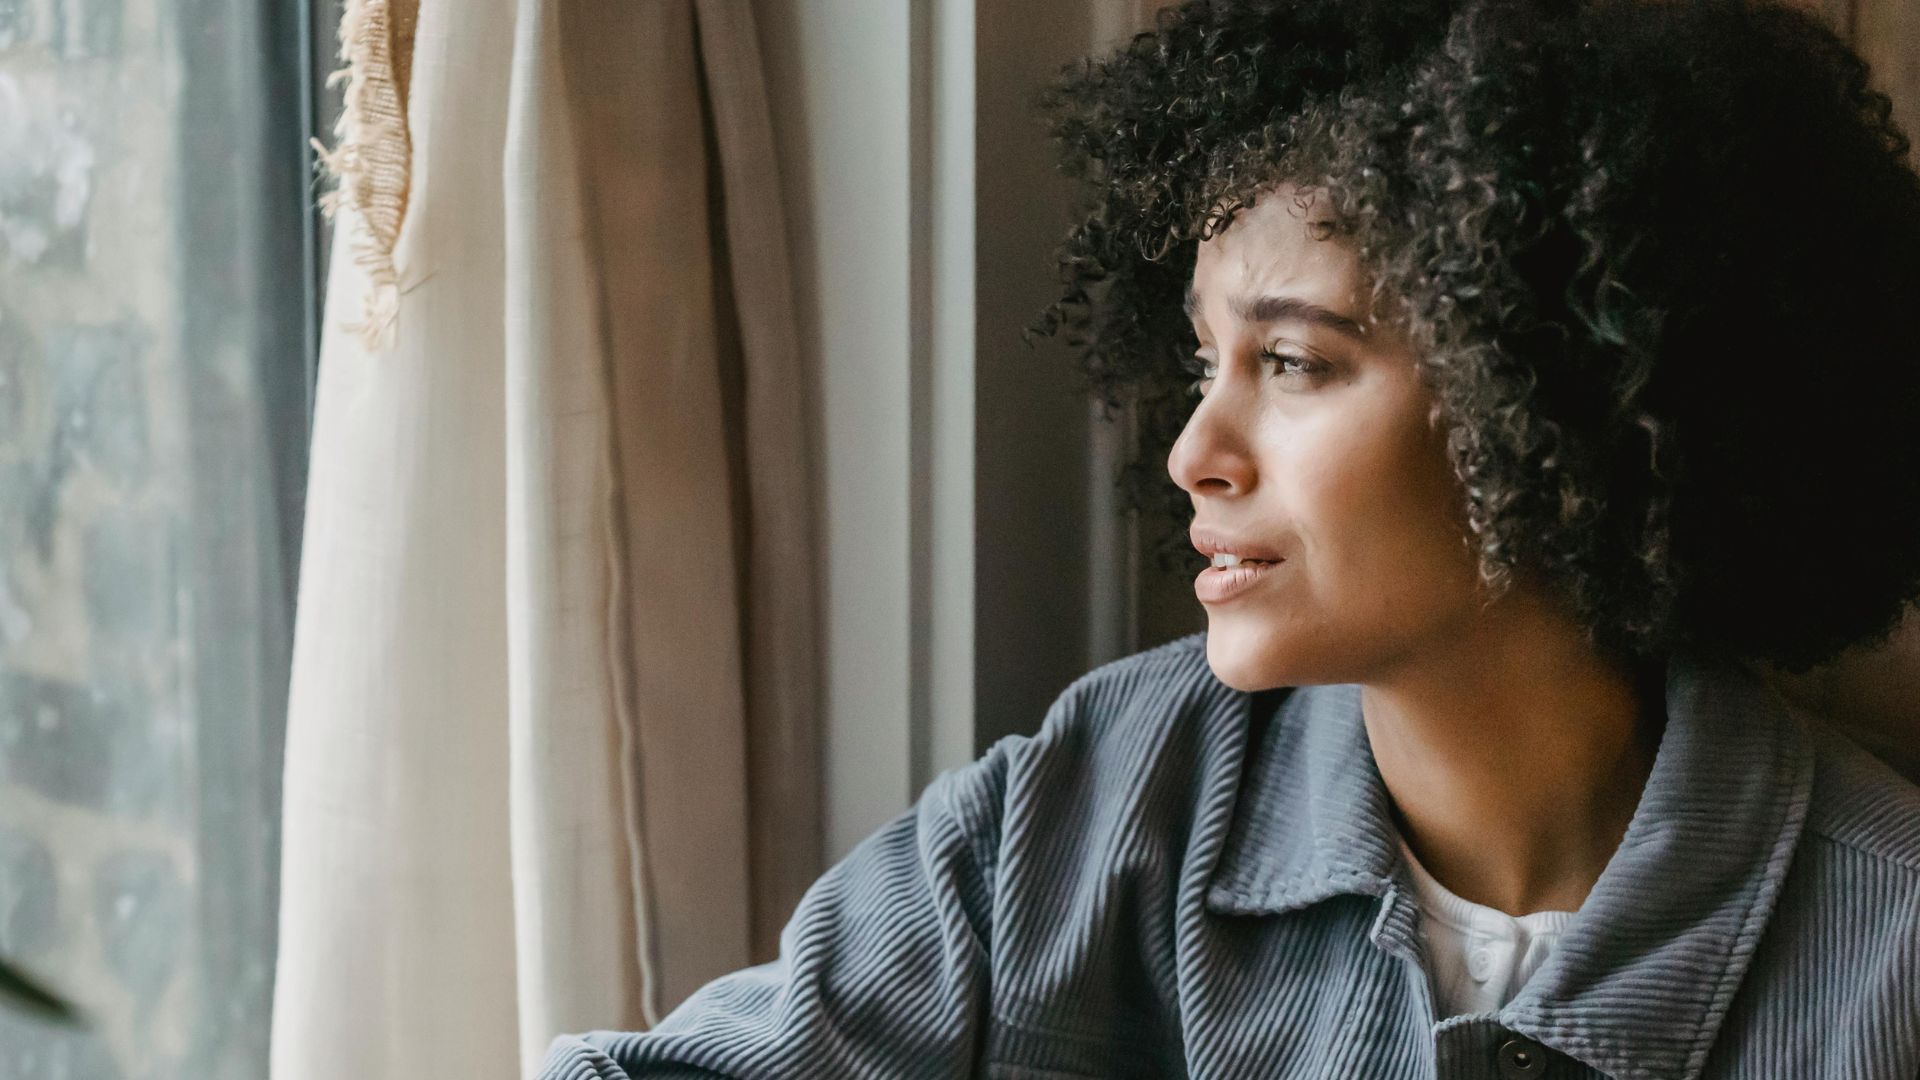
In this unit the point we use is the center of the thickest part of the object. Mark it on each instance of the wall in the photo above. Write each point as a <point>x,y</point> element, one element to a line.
<point>872,106</point>
<point>971,561</point>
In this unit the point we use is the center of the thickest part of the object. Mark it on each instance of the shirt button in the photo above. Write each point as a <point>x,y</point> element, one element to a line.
<point>1522,1059</point>
<point>1480,963</point>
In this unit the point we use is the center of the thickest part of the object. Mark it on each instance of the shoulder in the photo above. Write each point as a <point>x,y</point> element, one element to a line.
<point>1861,804</point>
<point>1122,741</point>
<point>1849,908</point>
<point>1178,662</point>
<point>1130,710</point>
<point>1856,872</point>
<point>1139,689</point>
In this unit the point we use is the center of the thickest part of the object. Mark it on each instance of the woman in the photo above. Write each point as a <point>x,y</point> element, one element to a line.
<point>1556,369</point>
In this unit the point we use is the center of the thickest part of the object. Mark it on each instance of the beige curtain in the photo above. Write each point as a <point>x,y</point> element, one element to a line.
<point>552,756</point>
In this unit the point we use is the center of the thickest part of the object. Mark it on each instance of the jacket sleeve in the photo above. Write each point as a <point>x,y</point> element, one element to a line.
<point>882,971</point>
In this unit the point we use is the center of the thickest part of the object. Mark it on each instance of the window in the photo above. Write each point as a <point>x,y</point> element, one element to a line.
<point>156,329</point>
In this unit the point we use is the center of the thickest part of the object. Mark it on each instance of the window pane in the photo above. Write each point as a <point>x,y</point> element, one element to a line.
<point>152,447</point>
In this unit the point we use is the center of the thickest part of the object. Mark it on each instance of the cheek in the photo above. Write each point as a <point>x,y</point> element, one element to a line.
<point>1379,515</point>
<point>1371,512</point>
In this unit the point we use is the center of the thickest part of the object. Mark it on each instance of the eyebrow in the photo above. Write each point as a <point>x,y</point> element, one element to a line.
<point>1267,309</point>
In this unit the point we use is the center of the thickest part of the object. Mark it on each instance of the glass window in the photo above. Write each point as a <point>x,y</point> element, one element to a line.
<point>154,371</point>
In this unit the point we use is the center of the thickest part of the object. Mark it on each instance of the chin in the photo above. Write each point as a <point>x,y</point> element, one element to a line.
<point>1250,650</point>
<point>1245,660</point>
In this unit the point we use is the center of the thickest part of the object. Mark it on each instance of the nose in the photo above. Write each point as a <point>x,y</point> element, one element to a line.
<point>1211,456</point>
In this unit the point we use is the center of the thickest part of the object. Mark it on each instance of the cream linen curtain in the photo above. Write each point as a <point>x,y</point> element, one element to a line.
<point>551,755</point>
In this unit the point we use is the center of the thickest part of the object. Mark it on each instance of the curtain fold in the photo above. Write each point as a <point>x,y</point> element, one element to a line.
<point>552,755</point>
<point>773,529</point>
<point>579,889</point>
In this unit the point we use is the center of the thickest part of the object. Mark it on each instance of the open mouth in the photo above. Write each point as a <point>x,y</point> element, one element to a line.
<point>1225,561</point>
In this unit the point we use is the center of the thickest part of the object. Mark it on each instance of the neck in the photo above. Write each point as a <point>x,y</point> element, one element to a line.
<point>1515,757</point>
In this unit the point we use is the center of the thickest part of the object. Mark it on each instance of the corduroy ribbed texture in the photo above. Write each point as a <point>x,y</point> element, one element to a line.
<point>1177,879</point>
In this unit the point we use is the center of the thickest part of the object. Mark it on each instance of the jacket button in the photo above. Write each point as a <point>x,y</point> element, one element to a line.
<point>1522,1059</point>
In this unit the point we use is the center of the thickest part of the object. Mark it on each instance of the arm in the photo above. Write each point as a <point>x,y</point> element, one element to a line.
<point>882,969</point>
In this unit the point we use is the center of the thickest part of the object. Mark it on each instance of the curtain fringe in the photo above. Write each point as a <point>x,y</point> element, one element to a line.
<point>371,160</point>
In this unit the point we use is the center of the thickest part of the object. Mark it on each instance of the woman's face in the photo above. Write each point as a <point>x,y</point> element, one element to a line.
<point>1311,446</point>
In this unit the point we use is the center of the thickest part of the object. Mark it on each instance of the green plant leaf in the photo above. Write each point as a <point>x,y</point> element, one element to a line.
<point>19,991</point>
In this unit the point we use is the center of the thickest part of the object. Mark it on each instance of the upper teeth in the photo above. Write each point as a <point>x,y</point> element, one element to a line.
<point>1223,558</point>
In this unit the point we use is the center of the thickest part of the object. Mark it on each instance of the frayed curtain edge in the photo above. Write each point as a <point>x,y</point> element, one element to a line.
<point>371,160</point>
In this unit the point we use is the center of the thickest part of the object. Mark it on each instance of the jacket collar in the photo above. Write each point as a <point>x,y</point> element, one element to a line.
<point>1642,978</point>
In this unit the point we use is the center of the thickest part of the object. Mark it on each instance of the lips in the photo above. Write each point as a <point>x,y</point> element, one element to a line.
<point>1210,542</point>
<point>1238,563</point>
<point>1219,584</point>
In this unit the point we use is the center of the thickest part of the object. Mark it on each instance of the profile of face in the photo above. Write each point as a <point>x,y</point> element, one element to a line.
<point>1311,448</point>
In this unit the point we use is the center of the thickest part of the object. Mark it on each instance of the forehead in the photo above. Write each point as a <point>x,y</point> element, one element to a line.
<point>1274,248</point>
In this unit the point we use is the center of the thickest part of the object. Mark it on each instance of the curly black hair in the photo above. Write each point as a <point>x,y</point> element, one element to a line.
<point>1660,260</point>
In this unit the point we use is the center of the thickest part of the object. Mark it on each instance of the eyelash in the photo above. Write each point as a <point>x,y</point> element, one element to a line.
<point>1309,367</point>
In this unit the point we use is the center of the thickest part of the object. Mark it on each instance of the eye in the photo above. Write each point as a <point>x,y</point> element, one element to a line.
<point>1197,365</point>
<point>1289,365</point>
<point>1295,364</point>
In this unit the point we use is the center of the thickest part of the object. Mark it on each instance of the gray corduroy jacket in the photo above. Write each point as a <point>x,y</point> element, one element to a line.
<point>1177,879</point>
